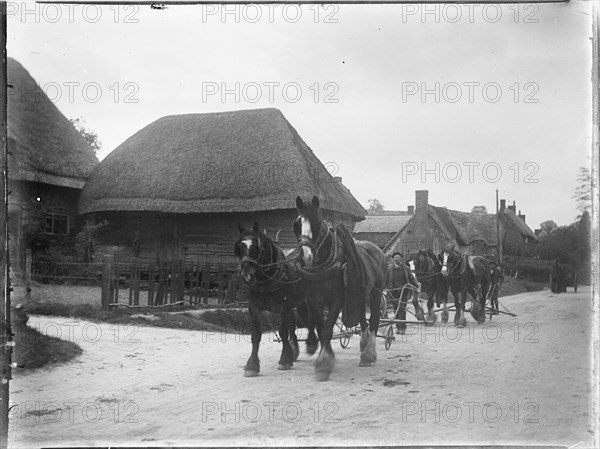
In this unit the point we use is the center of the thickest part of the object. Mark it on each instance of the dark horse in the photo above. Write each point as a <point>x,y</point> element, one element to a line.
<point>463,278</point>
<point>340,275</point>
<point>427,270</point>
<point>272,287</point>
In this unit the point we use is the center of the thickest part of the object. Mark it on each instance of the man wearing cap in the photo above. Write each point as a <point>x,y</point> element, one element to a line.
<point>397,276</point>
<point>497,280</point>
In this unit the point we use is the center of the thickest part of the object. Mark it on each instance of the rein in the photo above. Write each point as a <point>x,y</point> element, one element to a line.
<point>324,267</point>
<point>272,282</point>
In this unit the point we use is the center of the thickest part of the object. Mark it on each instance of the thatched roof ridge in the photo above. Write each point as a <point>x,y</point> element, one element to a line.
<point>238,161</point>
<point>43,144</point>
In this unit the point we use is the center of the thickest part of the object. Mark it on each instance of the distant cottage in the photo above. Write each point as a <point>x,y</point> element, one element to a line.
<point>428,226</point>
<point>177,188</point>
<point>48,164</point>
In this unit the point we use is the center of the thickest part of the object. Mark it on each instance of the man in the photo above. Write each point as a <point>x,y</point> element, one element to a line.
<point>397,276</point>
<point>497,279</point>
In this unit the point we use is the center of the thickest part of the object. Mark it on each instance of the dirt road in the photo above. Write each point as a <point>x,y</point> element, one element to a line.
<point>524,380</point>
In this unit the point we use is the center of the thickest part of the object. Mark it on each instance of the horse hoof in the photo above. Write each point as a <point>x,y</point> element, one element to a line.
<point>322,376</point>
<point>284,366</point>
<point>250,373</point>
<point>364,363</point>
<point>311,349</point>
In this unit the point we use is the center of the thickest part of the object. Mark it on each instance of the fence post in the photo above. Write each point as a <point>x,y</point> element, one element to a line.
<point>107,284</point>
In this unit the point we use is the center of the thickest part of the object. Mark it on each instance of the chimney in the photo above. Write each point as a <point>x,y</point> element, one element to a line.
<point>502,205</point>
<point>411,210</point>
<point>513,207</point>
<point>421,202</point>
<point>522,217</point>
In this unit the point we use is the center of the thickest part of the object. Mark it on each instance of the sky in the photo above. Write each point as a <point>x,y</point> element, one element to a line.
<point>459,100</point>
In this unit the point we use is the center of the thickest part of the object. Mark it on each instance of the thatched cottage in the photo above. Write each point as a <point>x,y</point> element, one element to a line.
<point>185,181</point>
<point>431,227</point>
<point>48,163</point>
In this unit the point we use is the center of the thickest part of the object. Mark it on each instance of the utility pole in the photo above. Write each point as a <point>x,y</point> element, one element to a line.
<point>498,243</point>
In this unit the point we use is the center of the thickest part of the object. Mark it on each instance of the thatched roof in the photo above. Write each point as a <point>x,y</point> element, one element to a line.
<point>383,223</point>
<point>466,227</point>
<point>239,161</point>
<point>43,144</point>
<point>510,217</point>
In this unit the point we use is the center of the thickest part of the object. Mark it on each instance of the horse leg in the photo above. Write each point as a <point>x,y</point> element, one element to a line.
<point>252,367</point>
<point>326,360</point>
<point>315,321</point>
<point>475,309</point>
<point>308,316</point>
<point>485,286</point>
<point>419,313</point>
<point>445,313</point>
<point>455,295</point>
<point>293,336</point>
<point>287,353</point>
<point>431,317</point>
<point>369,356</point>
<point>462,321</point>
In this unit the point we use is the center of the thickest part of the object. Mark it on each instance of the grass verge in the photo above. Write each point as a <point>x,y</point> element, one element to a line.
<point>34,350</point>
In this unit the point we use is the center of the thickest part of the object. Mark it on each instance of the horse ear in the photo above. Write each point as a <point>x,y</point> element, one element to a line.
<point>240,228</point>
<point>255,227</point>
<point>299,203</point>
<point>315,201</point>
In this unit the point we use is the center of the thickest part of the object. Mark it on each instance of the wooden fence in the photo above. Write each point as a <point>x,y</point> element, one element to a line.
<point>142,284</point>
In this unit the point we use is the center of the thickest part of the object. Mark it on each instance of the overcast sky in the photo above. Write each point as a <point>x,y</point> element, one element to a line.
<point>380,92</point>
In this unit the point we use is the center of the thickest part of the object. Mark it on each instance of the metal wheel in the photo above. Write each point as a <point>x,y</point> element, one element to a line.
<point>389,336</point>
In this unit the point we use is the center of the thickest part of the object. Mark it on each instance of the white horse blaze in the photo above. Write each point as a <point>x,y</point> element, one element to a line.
<point>445,266</point>
<point>248,243</point>
<point>411,264</point>
<point>307,254</point>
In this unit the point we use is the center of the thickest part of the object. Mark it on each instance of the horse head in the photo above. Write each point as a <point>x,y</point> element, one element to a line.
<point>307,228</point>
<point>254,249</point>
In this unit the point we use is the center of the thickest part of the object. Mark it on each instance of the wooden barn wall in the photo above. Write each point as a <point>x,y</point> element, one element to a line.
<point>204,239</point>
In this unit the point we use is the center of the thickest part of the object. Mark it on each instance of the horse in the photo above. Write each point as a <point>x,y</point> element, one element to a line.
<point>272,287</point>
<point>462,279</point>
<point>427,270</point>
<point>341,274</point>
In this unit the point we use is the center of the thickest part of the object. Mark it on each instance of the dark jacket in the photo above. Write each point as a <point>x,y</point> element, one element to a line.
<point>497,276</point>
<point>397,276</point>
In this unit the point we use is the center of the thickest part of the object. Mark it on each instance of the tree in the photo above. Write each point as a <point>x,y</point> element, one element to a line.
<point>88,135</point>
<point>85,240</point>
<point>479,210</point>
<point>375,207</point>
<point>547,227</point>
<point>583,191</point>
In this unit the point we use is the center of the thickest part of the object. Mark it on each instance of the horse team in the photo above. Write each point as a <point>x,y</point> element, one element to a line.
<point>330,274</point>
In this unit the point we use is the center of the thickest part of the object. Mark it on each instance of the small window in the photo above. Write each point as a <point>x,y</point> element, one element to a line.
<point>57,224</point>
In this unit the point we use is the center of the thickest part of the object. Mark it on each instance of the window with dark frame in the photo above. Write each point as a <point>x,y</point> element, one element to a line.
<point>57,224</point>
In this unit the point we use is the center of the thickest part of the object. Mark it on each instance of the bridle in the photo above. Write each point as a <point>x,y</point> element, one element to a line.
<point>324,236</point>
